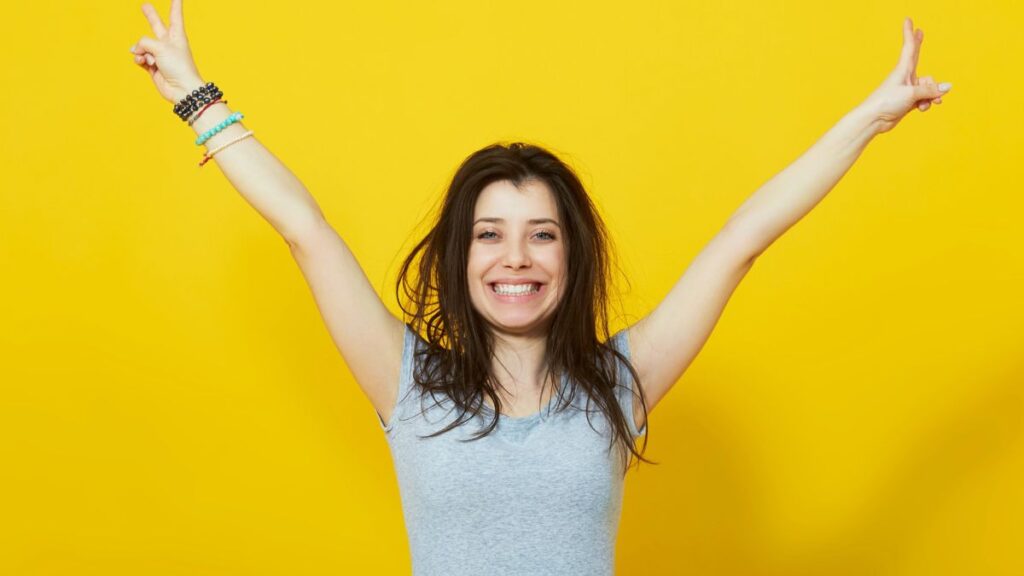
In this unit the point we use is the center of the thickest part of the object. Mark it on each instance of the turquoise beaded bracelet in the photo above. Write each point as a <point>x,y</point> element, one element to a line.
<point>216,129</point>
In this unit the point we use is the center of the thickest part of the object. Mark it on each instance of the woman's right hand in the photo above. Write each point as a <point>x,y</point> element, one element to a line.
<point>168,59</point>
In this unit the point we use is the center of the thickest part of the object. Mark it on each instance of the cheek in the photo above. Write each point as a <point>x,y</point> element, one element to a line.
<point>476,272</point>
<point>555,261</point>
<point>483,261</point>
<point>475,260</point>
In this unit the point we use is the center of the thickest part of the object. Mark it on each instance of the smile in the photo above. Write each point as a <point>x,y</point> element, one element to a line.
<point>516,293</point>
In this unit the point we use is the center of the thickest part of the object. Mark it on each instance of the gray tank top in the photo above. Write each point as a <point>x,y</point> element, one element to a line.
<point>541,494</point>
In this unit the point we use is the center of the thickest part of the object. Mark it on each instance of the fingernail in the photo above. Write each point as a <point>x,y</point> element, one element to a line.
<point>133,49</point>
<point>945,86</point>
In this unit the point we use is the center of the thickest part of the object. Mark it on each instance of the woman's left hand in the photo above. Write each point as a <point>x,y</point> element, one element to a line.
<point>902,90</point>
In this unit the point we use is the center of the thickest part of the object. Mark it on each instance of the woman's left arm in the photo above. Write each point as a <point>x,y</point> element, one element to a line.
<point>668,339</point>
<point>791,194</point>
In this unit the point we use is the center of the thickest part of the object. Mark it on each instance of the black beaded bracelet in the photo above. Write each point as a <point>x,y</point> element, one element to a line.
<point>199,97</point>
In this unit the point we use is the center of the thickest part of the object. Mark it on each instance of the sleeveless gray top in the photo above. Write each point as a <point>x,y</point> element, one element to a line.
<point>541,494</point>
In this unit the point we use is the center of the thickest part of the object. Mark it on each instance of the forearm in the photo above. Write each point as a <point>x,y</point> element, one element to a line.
<point>793,192</point>
<point>265,183</point>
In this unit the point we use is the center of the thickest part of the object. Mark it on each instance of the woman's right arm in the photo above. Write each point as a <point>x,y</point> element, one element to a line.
<point>368,336</point>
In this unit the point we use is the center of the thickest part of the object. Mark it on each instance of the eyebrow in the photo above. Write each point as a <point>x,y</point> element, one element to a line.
<point>530,221</point>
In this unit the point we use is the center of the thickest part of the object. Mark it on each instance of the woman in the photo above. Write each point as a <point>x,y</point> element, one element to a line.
<point>502,417</point>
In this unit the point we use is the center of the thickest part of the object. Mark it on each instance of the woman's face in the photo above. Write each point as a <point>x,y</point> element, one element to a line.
<point>508,253</point>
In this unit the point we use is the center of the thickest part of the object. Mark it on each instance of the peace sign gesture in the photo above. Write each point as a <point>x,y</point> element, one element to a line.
<point>902,90</point>
<point>168,58</point>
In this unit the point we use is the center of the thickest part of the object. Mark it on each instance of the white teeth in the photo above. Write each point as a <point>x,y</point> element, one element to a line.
<point>515,289</point>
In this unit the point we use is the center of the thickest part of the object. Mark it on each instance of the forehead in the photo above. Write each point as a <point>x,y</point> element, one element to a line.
<point>503,200</point>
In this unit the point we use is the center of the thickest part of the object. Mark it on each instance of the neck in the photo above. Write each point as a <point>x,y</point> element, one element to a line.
<point>520,362</point>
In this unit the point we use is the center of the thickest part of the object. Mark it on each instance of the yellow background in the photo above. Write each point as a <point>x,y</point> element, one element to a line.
<point>172,404</point>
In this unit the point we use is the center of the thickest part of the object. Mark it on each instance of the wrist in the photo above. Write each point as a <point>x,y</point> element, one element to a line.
<point>187,87</point>
<point>867,118</point>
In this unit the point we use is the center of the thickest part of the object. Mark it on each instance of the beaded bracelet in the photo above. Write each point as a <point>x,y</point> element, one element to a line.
<point>209,155</point>
<point>191,102</point>
<point>200,113</point>
<point>235,117</point>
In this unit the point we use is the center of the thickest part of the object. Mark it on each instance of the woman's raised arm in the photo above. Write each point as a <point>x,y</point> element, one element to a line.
<point>668,339</point>
<point>368,336</point>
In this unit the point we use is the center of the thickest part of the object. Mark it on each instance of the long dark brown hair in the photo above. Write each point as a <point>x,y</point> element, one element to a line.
<point>460,345</point>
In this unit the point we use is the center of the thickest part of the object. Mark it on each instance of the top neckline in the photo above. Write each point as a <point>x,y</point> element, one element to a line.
<point>516,420</point>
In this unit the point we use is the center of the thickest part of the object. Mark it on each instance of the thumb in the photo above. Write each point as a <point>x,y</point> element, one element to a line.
<point>929,90</point>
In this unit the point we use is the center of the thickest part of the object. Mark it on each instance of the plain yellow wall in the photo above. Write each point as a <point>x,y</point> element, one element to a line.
<point>172,404</point>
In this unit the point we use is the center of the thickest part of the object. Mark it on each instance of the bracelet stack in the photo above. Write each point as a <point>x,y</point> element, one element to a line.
<point>192,106</point>
<point>191,102</point>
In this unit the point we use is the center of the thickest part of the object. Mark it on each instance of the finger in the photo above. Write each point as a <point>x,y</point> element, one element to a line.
<point>907,54</point>
<point>918,38</point>
<point>154,20</point>
<point>147,44</point>
<point>151,70</point>
<point>141,62</point>
<point>927,89</point>
<point>150,59</point>
<point>177,19</point>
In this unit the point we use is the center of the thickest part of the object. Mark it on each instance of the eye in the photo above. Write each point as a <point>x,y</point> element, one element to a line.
<point>549,234</point>
<point>483,235</point>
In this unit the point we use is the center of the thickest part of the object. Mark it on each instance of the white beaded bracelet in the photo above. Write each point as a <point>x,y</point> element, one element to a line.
<point>208,155</point>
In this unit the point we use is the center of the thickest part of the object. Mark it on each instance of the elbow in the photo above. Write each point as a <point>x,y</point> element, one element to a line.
<point>744,240</point>
<point>306,232</point>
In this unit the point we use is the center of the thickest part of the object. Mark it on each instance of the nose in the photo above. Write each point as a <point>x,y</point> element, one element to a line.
<point>516,256</point>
